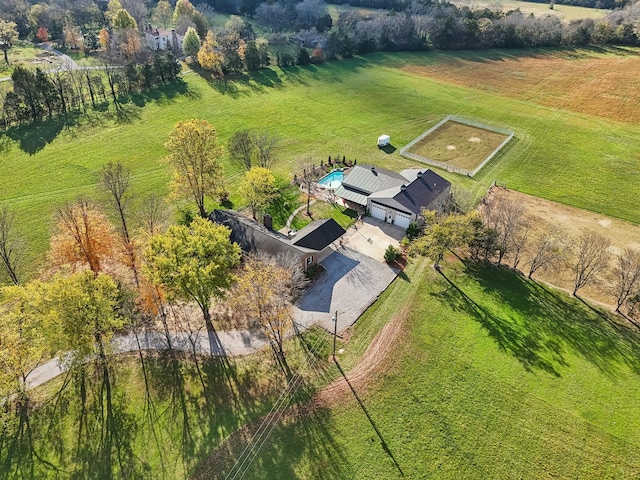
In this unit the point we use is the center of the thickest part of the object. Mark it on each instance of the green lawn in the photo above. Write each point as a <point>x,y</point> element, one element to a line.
<point>164,424</point>
<point>23,54</point>
<point>496,377</point>
<point>334,108</point>
<point>344,216</point>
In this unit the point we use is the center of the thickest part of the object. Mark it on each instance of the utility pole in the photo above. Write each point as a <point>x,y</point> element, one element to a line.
<point>335,333</point>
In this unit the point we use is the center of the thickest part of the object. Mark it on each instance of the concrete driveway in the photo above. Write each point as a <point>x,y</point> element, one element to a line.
<point>351,282</point>
<point>372,237</point>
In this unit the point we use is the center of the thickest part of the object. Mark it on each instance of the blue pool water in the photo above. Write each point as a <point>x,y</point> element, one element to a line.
<point>332,181</point>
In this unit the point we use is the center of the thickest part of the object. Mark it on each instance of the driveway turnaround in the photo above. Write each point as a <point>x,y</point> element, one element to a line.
<point>350,283</point>
<point>372,237</point>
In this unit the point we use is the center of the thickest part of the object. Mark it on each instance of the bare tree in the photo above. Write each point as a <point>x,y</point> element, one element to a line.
<point>153,216</point>
<point>11,245</point>
<point>241,148</point>
<point>626,276</point>
<point>265,144</point>
<point>116,182</point>
<point>548,249</point>
<point>138,10</point>
<point>505,216</point>
<point>518,244</point>
<point>307,178</point>
<point>592,259</point>
<point>264,293</point>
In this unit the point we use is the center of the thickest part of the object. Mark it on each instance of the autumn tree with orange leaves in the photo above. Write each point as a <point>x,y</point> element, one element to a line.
<point>84,236</point>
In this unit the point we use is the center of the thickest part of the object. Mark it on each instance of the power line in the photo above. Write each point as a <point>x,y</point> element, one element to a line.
<point>270,421</point>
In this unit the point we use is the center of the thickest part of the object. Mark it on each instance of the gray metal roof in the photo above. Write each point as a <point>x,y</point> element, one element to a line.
<point>417,195</point>
<point>368,179</point>
<point>351,195</point>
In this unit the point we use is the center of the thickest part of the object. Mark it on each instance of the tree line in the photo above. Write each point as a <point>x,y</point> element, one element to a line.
<point>37,94</point>
<point>499,232</point>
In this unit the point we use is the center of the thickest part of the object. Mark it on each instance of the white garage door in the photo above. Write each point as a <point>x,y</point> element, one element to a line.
<point>402,220</point>
<point>377,211</point>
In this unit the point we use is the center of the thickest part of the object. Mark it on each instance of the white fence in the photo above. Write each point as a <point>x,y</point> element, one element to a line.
<point>452,168</point>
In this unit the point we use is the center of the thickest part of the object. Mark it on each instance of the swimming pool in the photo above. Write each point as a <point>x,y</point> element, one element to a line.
<point>332,181</point>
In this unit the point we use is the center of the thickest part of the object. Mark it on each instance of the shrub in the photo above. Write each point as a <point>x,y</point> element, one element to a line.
<point>391,254</point>
<point>413,231</point>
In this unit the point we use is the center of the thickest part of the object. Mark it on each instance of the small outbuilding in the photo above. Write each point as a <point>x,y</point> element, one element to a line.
<point>383,141</point>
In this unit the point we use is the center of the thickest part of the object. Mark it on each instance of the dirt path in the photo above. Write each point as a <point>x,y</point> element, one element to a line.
<point>376,359</point>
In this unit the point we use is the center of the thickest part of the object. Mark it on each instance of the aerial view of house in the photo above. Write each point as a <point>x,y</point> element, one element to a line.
<point>309,240</point>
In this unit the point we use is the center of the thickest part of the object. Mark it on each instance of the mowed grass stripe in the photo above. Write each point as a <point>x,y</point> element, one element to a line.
<point>336,108</point>
<point>459,401</point>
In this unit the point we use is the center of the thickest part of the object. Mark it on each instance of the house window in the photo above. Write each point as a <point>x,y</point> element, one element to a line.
<point>309,260</point>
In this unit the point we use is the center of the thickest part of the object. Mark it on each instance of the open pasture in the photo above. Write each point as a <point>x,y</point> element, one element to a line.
<point>603,83</point>
<point>492,376</point>
<point>562,154</point>
<point>457,144</point>
<point>565,12</point>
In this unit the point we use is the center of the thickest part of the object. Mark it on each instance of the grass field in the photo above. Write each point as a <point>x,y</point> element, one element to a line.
<point>344,216</point>
<point>496,377</point>
<point>167,418</point>
<point>459,145</point>
<point>561,153</point>
<point>565,12</point>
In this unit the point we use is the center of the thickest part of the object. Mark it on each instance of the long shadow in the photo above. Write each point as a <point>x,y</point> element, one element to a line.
<point>548,324</point>
<point>388,149</point>
<point>528,347</point>
<point>385,445</point>
<point>33,137</point>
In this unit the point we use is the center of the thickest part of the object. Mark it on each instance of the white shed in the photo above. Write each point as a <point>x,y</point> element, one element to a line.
<point>384,140</point>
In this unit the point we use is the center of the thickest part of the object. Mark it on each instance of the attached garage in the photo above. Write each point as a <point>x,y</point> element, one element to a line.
<point>403,219</point>
<point>378,211</point>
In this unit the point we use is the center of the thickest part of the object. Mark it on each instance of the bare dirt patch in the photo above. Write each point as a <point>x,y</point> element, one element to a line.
<point>447,144</point>
<point>603,85</point>
<point>377,358</point>
<point>543,215</point>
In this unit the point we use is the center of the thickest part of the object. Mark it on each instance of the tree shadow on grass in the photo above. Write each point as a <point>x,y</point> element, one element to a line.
<point>290,437</point>
<point>544,325</point>
<point>161,94</point>
<point>529,347</point>
<point>33,137</point>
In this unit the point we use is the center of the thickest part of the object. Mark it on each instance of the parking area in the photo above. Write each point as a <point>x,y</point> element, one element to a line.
<point>371,237</point>
<point>351,282</point>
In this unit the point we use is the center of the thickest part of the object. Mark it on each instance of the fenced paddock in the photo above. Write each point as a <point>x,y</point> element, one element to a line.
<point>458,145</point>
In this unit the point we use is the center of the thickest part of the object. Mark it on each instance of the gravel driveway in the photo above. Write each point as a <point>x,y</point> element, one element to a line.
<point>351,282</point>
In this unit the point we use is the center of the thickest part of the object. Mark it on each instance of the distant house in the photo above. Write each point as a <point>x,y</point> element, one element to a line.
<point>310,245</point>
<point>162,39</point>
<point>362,181</point>
<point>396,198</point>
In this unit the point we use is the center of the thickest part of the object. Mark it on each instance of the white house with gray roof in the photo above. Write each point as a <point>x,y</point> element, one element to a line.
<point>396,198</point>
